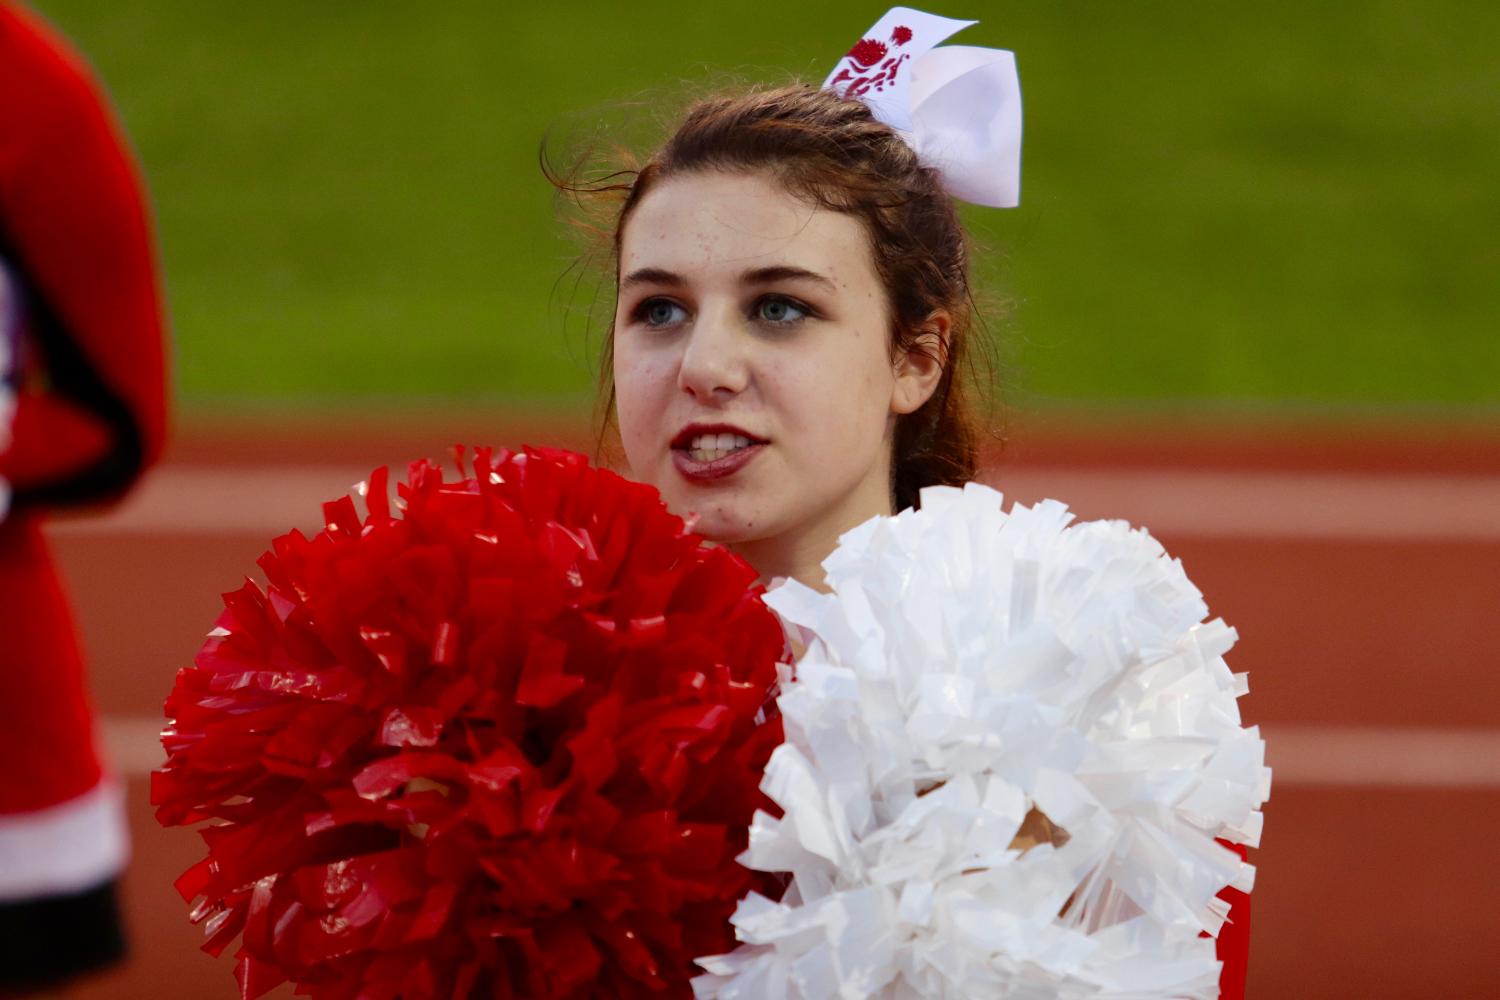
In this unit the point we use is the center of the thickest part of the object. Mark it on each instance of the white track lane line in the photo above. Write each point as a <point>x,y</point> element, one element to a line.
<point>267,500</point>
<point>1308,506</point>
<point>1299,755</point>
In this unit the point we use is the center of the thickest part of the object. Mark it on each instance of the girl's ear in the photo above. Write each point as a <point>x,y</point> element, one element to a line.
<point>919,367</point>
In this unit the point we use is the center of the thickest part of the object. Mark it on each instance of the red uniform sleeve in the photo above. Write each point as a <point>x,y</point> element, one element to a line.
<point>91,406</point>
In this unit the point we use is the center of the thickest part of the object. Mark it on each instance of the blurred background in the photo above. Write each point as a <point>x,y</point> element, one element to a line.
<point>1249,300</point>
<point>1235,207</point>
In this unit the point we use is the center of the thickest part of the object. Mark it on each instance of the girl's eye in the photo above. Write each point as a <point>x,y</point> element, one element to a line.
<point>660,312</point>
<point>774,309</point>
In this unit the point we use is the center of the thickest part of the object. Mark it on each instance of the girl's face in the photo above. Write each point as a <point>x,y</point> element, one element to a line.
<point>753,373</point>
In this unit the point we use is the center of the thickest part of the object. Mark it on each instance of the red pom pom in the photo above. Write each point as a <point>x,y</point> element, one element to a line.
<point>507,742</point>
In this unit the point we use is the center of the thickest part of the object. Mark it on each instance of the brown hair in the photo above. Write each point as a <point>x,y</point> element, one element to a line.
<point>836,155</point>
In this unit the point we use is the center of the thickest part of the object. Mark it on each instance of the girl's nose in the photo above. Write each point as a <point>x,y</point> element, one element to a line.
<point>714,367</point>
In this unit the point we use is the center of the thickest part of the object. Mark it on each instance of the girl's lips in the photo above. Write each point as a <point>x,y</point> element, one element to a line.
<point>731,463</point>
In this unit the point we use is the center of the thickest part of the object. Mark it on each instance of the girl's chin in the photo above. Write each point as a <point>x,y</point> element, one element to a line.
<point>725,527</point>
<point>721,531</point>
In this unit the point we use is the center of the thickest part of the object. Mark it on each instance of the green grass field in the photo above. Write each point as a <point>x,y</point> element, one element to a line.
<point>1288,204</point>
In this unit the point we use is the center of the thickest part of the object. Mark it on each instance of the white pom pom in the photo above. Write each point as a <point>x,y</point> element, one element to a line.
<point>1011,744</point>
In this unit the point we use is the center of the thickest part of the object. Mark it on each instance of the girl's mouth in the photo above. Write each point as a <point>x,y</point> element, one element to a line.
<point>713,453</point>
<point>712,447</point>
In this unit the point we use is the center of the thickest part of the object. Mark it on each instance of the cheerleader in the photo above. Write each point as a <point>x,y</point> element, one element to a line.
<point>82,414</point>
<point>794,317</point>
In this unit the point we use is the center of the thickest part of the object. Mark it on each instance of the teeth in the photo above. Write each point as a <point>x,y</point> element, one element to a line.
<point>712,447</point>
<point>718,442</point>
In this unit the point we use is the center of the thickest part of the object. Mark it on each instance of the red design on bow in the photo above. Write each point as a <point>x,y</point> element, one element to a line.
<point>862,74</point>
<point>867,52</point>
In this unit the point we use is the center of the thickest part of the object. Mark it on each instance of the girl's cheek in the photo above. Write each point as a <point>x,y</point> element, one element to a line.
<point>642,378</point>
<point>784,377</point>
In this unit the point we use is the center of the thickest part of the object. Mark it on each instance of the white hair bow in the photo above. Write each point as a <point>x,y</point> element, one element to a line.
<point>958,107</point>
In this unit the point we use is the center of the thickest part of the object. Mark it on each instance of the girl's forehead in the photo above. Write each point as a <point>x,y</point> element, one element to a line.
<point>712,220</point>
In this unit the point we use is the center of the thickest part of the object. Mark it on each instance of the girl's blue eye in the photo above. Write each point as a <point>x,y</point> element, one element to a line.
<point>661,312</point>
<point>778,310</point>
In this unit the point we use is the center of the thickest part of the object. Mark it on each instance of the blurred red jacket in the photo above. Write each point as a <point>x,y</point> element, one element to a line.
<point>87,369</point>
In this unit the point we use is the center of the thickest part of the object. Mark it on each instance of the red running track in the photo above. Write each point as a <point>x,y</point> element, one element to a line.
<point>1370,643</point>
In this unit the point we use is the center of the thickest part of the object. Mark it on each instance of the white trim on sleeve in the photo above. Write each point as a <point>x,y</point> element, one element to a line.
<point>66,848</point>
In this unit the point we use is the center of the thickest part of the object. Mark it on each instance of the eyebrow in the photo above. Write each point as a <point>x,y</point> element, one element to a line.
<point>771,275</point>
<point>651,276</point>
<point>759,276</point>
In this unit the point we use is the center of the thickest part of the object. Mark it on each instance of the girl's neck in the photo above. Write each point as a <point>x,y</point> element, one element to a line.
<point>799,553</point>
<point>802,560</point>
